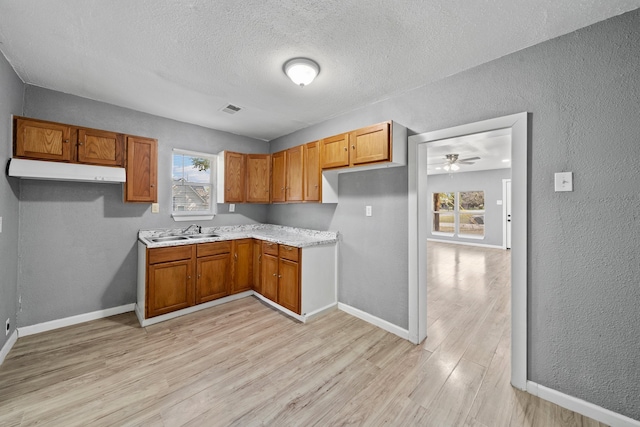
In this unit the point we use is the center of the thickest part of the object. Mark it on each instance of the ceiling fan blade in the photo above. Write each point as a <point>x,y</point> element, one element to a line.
<point>470,158</point>
<point>466,163</point>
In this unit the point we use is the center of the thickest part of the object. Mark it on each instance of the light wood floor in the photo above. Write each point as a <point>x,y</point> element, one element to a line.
<point>245,364</point>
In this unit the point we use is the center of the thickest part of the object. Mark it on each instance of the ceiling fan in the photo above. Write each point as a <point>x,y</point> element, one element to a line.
<point>453,162</point>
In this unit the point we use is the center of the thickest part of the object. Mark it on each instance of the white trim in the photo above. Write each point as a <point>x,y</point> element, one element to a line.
<point>157,319</point>
<point>6,348</point>
<point>418,209</point>
<point>580,406</point>
<point>187,217</point>
<point>277,306</point>
<point>376,321</point>
<point>73,320</point>
<point>317,313</point>
<point>458,242</point>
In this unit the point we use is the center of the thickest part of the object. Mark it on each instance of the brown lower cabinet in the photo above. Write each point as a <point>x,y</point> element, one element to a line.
<point>170,284</point>
<point>182,276</point>
<point>281,275</point>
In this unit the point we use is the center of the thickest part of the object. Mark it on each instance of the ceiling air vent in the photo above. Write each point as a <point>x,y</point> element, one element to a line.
<point>231,109</point>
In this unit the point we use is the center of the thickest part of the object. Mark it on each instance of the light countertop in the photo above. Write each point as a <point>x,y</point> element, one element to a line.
<point>298,237</point>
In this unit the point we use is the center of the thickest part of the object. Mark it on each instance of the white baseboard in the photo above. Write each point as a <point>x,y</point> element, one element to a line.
<point>73,320</point>
<point>321,311</point>
<point>277,306</point>
<point>457,242</point>
<point>387,326</point>
<point>157,319</point>
<point>580,406</point>
<point>6,348</point>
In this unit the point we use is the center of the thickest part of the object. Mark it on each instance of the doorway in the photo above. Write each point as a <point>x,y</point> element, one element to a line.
<point>418,232</point>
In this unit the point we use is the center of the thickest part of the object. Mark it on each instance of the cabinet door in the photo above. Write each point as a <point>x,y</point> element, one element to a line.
<point>294,178</point>
<point>258,178</point>
<point>312,177</point>
<point>169,287</point>
<point>99,147</point>
<point>242,263</point>
<point>257,265</point>
<point>278,174</point>
<point>213,277</point>
<point>270,277</point>
<point>334,151</point>
<point>234,177</point>
<point>42,140</point>
<point>142,170</point>
<point>370,144</point>
<point>289,285</point>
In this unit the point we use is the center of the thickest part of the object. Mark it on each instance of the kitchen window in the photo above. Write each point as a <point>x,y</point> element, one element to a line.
<point>459,214</point>
<point>193,186</point>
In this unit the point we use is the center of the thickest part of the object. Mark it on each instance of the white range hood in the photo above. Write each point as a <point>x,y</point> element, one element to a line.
<point>57,171</point>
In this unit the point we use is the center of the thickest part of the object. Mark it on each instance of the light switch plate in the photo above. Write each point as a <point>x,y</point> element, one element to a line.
<point>563,181</point>
<point>499,203</point>
<point>368,211</point>
<point>155,207</point>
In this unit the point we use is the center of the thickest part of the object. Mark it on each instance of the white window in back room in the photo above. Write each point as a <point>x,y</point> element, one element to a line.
<point>193,187</point>
<point>459,214</point>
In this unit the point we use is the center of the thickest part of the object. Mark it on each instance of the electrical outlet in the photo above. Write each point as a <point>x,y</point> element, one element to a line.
<point>368,211</point>
<point>155,207</point>
<point>232,207</point>
<point>8,327</point>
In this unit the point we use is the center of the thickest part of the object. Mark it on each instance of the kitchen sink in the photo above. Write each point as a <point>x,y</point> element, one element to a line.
<point>168,239</point>
<point>202,236</point>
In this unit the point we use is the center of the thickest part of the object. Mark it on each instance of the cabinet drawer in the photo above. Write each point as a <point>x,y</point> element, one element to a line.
<point>289,252</point>
<point>215,248</point>
<point>270,248</point>
<point>172,253</point>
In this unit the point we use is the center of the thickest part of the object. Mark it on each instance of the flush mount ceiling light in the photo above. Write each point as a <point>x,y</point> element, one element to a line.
<point>301,71</point>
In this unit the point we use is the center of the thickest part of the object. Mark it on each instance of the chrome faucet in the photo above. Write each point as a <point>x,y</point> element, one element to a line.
<point>188,230</point>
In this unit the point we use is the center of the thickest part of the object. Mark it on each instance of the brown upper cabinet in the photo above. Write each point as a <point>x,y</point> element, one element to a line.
<point>142,170</point>
<point>98,147</point>
<point>287,180</point>
<point>335,151</point>
<point>258,176</point>
<point>312,173</point>
<point>371,144</point>
<point>278,177</point>
<point>294,165</point>
<point>42,140</point>
<point>234,177</point>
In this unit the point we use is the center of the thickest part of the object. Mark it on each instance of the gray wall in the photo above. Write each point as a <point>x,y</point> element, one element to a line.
<point>11,90</point>
<point>583,93</point>
<point>77,240</point>
<point>488,181</point>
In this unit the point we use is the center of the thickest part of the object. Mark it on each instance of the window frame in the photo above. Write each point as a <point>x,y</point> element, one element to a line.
<point>213,208</point>
<point>456,215</point>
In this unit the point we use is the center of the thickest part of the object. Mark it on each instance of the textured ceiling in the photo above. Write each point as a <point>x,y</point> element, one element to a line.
<point>187,60</point>
<point>492,147</point>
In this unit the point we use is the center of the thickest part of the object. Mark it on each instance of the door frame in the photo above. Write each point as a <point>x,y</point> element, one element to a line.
<point>506,195</point>
<point>418,233</point>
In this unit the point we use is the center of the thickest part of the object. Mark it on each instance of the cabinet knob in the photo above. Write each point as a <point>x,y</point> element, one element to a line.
<point>274,274</point>
<point>345,148</point>
<point>189,277</point>
<point>353,147</point>
<point>152,185</point>
<point>235,256</point>
<point>80,143</point>
<point>279,275</point>
<point>65,140</point>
